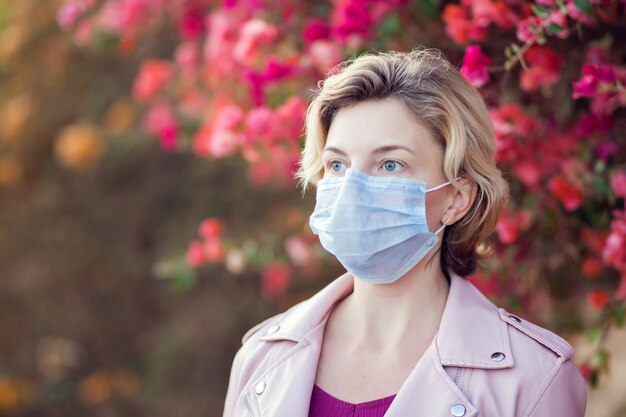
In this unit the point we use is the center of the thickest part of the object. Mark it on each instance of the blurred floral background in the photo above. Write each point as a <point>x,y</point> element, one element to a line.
<point>149,215</point>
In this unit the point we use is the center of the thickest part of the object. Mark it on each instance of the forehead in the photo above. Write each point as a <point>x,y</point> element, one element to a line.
<point>372,123</point>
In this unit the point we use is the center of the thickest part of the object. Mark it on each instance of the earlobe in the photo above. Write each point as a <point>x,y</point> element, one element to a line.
<point>463,199</point>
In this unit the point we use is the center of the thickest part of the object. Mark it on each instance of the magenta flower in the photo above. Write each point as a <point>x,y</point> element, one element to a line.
<point>593,75</point>
<point>475,65</point>
<point>314,30</point>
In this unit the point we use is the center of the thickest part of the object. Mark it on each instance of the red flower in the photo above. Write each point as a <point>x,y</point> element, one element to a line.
<point>510,224</point>
<point>475,65</point>
<point>544,68</point>
<point>585,370</point>
<point>275,280</point>
<point>153,76</point>
<point>592,267</point>
<point>459,27</point>
<point>598,299</point>
<point>568,193</point>
<point>210,228</point>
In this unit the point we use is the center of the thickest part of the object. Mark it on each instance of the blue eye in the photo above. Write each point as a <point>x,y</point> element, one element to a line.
<point>335,166</point>
<point>391,165</point>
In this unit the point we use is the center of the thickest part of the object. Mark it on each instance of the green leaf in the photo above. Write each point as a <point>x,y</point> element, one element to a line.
<point>584,6</point>
<point>428,8</point>
<point>618,314</point>
<point>540,11</point>
<point>594,336</point>
<point>554,28</point>
<point>600,360</point>
<point>390,25</point>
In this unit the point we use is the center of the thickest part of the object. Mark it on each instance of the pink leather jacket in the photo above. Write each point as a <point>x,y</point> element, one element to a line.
<point>482,362</point>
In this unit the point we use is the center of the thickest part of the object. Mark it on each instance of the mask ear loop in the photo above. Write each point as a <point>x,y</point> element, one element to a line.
<point>434,189</point>
<point>445,223</point>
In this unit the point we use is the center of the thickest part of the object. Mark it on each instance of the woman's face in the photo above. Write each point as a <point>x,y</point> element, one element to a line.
<point>383,137</point>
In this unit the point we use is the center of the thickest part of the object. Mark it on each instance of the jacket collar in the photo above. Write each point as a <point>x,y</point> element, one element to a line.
<point>471,332</point>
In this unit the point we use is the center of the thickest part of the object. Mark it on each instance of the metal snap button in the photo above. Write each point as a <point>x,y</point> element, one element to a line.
<point>458,410</point>
<point>430,243</point>
<point>497,356</point>
<point>260,388</point>
<point>273,329</point>
<point>513,317</point>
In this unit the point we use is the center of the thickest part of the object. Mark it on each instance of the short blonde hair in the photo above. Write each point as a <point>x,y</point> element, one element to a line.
<point>446,104</point>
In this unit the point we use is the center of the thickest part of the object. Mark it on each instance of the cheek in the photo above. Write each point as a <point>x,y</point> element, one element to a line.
<point>434,208</point>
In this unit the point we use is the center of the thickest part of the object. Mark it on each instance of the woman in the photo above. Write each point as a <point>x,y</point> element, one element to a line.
<point>401,149</point>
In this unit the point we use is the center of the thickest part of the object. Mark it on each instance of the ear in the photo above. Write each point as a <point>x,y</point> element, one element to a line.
<point>463,196</point>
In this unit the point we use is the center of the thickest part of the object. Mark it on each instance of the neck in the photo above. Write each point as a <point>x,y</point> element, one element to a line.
<point>402,313</point>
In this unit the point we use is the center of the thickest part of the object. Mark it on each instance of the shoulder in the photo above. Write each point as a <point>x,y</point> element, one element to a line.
<point>553,384</point>
<point>529,336</point>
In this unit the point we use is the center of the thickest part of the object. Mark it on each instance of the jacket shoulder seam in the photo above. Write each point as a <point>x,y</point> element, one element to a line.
<point>544,336</point>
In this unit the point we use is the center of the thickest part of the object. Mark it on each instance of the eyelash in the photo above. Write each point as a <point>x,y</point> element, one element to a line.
<point>330,163</point>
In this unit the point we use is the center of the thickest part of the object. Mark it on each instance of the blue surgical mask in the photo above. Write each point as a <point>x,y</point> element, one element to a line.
<point>374,225</point>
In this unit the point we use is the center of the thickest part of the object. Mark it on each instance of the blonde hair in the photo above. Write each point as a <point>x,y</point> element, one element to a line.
<point>446,104</point>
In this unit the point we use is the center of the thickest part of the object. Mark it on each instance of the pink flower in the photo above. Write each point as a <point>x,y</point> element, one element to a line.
<point>290,119</point>
<point>614,252</point>
<point>254,34</point>
<point>153,76</point>
<point>325,54</point>
<point>528,171</point>
<point>618,183</point>
<point>298,250</point>
<point>275,280</point>
<point>222,143</point>
<point>69,13</point>
<point>274,71</point>
<point>83,32</point>
<point>195,254</point>
<point>220,137</point>
<point>475,64</point>
<point>259,125</point>
<point>314,30</point>
<point>528,29</point>
<point>187,56</point>
<point>160,121</point>
<point>568,193</point>
<point>213,250</point>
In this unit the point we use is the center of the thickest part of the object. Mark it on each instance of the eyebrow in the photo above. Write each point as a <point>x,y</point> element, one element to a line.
<point>379,150</point>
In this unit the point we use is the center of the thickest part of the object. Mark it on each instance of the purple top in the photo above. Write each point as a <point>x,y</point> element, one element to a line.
<point>325,405</point>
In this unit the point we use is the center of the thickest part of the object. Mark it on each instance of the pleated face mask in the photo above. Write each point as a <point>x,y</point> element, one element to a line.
<point>374,225</point>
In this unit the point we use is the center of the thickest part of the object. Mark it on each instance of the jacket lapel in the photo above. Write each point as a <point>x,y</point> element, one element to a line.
<point>471,334</point>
